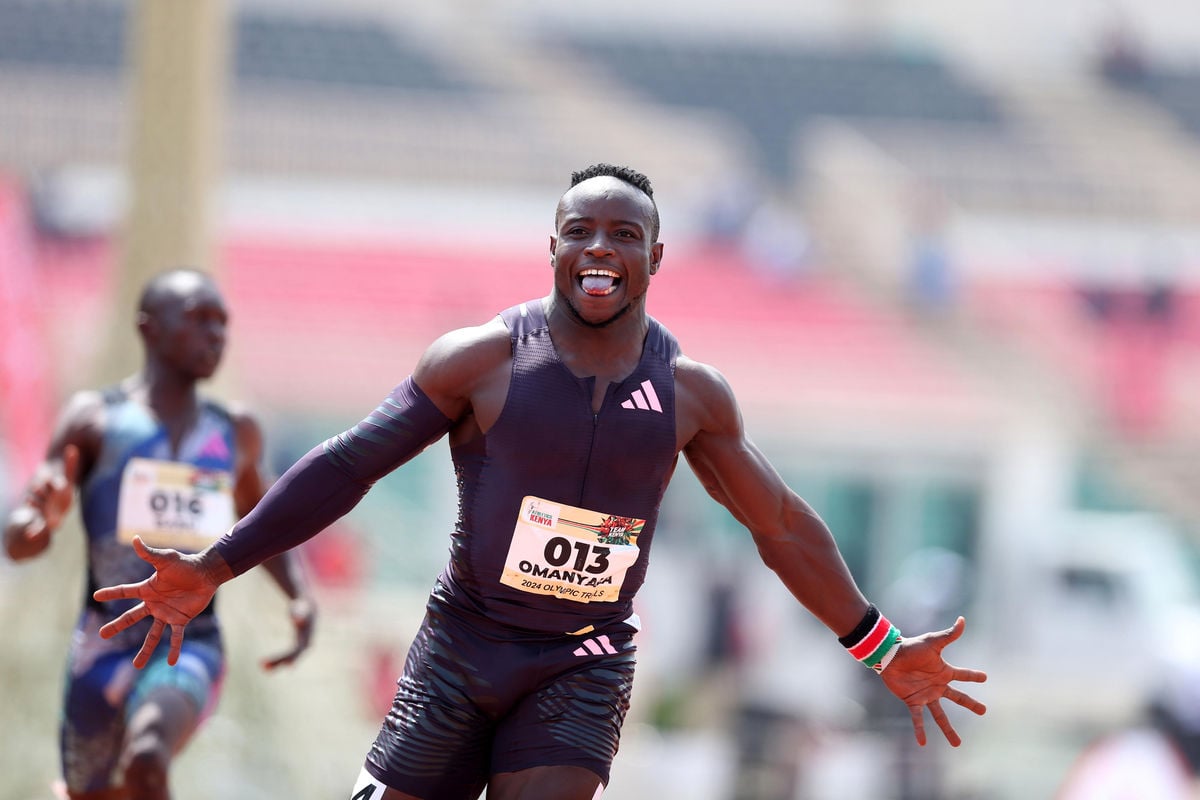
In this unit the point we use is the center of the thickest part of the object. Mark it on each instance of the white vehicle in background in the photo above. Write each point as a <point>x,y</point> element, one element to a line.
<point>1087,631</point>
<point>1109,611</point>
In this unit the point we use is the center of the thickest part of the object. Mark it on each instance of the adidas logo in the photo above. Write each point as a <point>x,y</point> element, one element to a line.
<point>215,447</point>
<point>644,399</point>
<point>596,647</point>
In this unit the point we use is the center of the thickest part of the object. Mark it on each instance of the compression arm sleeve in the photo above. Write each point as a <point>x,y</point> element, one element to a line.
<point>333,477</point>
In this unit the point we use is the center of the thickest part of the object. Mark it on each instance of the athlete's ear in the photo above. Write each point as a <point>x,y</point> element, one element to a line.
<point>553,246</point>
<point>147,326</point>
<point>656,254</point>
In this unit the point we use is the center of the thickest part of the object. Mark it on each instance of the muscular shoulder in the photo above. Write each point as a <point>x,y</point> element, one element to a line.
<point>82,420</point>
<point>83,408</point>
<point>704,400</point>
<point>463,363</point>
<point>246,426</point>
<point>80,423</point>
<point>247,429</point>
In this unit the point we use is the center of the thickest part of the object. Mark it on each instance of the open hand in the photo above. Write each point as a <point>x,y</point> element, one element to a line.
<point>921,678</point>
<point>180,588</point>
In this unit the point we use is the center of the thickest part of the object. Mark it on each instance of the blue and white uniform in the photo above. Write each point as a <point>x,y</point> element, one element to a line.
<point>183,499</point>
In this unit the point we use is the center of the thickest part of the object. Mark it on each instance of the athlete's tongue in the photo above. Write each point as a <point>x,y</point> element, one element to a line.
<point>597,284</point>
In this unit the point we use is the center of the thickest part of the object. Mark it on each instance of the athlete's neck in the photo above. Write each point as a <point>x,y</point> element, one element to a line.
<point>173,401</point>
<point>609,352</point>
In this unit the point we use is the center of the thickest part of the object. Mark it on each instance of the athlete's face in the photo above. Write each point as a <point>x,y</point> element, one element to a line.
<point>603,250</point>
<point>189,327</point>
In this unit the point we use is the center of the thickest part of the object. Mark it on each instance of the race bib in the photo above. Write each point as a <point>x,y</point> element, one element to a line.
<point>569,552</point>
<point>175,505</point>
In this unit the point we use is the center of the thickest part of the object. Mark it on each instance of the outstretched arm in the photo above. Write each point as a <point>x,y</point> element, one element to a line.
<point>312,494</point>
<point>794,541</point>
<point>331,479</point>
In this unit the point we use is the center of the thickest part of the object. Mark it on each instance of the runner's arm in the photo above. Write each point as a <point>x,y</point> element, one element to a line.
<point>47,499</point>
<point>795,543</point>
<point>251,480</point>
<point>333,477</point>
<point>791,537</point>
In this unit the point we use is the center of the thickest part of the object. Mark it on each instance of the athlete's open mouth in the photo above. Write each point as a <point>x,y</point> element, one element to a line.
<point>599,282</point>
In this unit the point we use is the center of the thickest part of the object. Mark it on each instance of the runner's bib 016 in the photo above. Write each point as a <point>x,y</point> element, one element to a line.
<point>569,552</point>
<point>175,505</point>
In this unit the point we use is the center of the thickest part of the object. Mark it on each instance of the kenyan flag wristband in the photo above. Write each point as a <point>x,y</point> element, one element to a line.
<point>874,641</point>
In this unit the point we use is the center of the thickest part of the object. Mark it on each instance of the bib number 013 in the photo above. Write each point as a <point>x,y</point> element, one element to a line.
<point>588,557</point>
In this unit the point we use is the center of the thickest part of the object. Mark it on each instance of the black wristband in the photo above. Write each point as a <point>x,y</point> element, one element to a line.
<point>862,628</point>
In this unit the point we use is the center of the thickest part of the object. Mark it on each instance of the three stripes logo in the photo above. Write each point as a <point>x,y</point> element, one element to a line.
<point>597,646</point>
<point>644,399</point>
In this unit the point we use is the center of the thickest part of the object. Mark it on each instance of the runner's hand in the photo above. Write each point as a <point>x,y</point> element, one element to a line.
<point>921,678</point>
<point>304,615</point>
<point>48,501</point>
<point>180,588</point>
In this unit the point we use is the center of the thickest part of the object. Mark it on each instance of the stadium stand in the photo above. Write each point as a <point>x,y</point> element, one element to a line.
<point>295,326</point>
<point>774,91</point>
<point>84,37</point>
<point>269,48</point>
<point>1176,90</point>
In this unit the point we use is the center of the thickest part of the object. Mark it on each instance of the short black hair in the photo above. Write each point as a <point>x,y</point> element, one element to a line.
<point>627,174</point>
<point>161,286</point>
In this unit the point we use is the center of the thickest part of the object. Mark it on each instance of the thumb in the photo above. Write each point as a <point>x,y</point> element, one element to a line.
<point>953,632</point>
<point>153,555</point>
<point>70,464</point>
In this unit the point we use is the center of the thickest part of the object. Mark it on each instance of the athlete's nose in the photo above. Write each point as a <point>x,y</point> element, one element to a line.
<point>599,248</point>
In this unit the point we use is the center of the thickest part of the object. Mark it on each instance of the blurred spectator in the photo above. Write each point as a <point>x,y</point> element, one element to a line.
<point>1135,327</point>
<point>1141,763</point>
<point>1158,757</point>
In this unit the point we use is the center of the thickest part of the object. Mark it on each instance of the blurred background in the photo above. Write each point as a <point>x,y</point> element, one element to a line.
<point>948,261</point>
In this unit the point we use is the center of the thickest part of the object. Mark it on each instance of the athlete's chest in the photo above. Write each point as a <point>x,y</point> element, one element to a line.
<point>134,432</point>
<point>558,421</point>
<point>599,375</point>
<point>171,490</point>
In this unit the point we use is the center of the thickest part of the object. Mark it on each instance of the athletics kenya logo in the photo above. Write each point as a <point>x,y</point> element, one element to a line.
<point>644,399</point>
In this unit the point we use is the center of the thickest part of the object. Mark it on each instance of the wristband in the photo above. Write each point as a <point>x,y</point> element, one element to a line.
<point>874,641</point>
